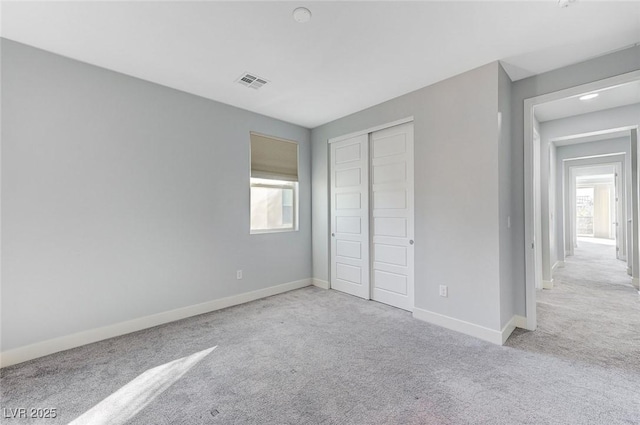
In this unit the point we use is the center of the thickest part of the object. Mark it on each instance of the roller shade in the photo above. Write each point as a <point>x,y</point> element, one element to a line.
<point>274,159</point>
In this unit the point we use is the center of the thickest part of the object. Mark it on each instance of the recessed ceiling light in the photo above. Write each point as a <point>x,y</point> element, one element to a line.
<point>565,3</point>
<point>302,15</point>
<point>589,96</point>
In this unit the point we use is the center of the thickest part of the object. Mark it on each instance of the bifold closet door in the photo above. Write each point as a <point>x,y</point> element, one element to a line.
<point>350,216</point>
<point>392,270</point>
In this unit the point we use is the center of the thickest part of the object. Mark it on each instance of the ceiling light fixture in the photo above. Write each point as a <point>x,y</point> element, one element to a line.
<point>565,3</point>
<point>302,15</point>
<point>589,96</point>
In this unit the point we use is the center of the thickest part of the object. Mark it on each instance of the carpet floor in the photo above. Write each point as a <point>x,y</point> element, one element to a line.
<point>591,315</point>
<point>313,356</point>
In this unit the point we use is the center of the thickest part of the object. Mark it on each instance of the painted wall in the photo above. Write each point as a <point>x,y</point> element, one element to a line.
<point>507,293</point>
<point>457,197</point>
<point>122,198</point>
<point>544,149</point>
<point>616,63</point>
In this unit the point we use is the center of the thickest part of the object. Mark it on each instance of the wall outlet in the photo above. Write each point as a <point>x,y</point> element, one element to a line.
<point>239,274</point>
<point>444,291</point>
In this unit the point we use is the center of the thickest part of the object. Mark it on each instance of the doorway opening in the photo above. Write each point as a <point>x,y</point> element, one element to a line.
<point>596,210</point>
<point>569,206</point>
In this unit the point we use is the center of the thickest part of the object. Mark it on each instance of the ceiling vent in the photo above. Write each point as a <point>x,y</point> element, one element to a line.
<point>250,80</point>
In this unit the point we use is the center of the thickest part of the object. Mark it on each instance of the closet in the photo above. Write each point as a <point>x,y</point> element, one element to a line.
<point>372,215</point>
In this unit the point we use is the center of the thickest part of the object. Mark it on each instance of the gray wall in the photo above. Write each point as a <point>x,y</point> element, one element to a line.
<point>620,62</point>
<point>507,300</point>
<point>457,201</point>
<point>122,198</point>
<point>546,222</point>
<point>554,254</point>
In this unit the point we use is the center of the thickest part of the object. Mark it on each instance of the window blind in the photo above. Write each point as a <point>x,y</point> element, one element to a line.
<point>274,159</point>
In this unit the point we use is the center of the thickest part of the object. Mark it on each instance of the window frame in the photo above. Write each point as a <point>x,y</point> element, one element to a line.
<point>275,183</point>
<point>284,185</point>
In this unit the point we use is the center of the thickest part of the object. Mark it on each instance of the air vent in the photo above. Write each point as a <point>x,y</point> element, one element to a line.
<point>250,80</point>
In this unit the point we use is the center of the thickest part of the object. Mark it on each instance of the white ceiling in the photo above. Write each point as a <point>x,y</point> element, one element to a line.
<point>621,95</point>
<point>595,136</point>
<point>351,55</point>
<point>595,174</point>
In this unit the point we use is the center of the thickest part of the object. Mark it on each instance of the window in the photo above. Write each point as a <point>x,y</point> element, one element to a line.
<point>272,205</point>
<point>584,211</point>
<point>274,184</point>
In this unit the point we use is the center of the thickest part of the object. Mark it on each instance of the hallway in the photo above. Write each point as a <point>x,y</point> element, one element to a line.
<point>592,314</point>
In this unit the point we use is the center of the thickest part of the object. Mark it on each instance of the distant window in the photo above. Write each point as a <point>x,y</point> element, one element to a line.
<point>274,184</point>
<point>584,211</point>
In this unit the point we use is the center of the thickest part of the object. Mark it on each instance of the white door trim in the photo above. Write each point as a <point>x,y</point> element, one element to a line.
<point>371,129</point>
<point>587,161</point>
<point>570,168</point>
<point>635,246</point>
<point>529,211</point>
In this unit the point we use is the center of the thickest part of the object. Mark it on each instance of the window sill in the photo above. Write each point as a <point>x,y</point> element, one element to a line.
<point>261,232</point>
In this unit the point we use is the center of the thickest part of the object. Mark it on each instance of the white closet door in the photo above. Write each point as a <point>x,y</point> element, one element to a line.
<point>350,216</point>
<point>392,270</point>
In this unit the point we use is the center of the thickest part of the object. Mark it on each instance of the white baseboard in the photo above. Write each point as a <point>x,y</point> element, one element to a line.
<point>320,283</point>
<point>507,329</point>
<point>520,321</point>
<point>462,326</point>
<point>557,264</point>
<point>547,284</point>
<point>39,349</point>
<point>515,322</point>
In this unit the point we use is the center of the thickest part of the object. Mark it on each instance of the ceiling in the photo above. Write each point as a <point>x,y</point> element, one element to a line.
<point>611,97</point>
<point>595,136</point>
<point>595,174</point>
<point>350,56</point>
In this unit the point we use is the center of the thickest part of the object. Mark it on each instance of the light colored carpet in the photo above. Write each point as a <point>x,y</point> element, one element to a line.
<point>321,357</point>
<point>592,314</point>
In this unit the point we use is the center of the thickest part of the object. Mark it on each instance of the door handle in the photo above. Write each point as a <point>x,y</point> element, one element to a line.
<point>333,235</point>
<point>410,241</point>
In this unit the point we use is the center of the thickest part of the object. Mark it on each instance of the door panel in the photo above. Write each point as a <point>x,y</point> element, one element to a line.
<point>390,173</point>
<point>389,226</point>
<point>349,161</point>
<point>390,199</point>
<point>349,249</point>
<point>391,282</point>
<point>391,254</point>
<point>346,178</point>
<point>348,225</point>
<point>392,279</point>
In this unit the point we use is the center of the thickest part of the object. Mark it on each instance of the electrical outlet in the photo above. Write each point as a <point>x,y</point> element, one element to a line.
<point>239,274</point>
<point>444,291</point>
